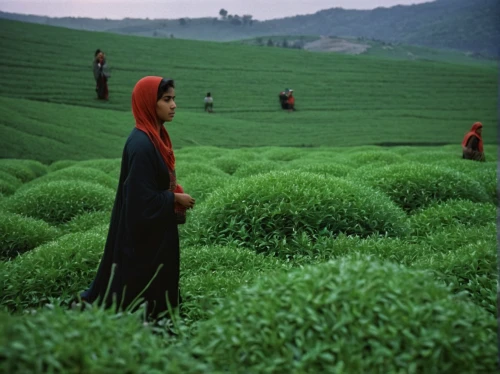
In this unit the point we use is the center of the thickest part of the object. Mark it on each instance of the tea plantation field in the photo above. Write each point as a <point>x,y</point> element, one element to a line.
<point>50,111</point>
<point>358,259</point>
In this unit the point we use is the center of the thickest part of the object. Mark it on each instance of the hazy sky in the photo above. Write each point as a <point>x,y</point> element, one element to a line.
<point>117,9</point>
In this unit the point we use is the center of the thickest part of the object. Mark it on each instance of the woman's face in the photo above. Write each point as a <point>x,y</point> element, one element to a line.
<point>479,130</point>
<point>165,107</point>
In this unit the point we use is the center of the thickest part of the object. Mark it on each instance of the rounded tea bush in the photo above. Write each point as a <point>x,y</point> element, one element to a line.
<point>105,165</point>
<point>228,164</point>
<point>199,168</point>
<point>413,185</point>
<point>95,341</point>
<point>452,212</point>
<point>57,269</point>
<point>283,154</point>
<point>330,169</point>
<point>380,157</point>
<point>8,183</point>
<point>348,316</point>
<point>87,221</point>
<point>472,268</point>
<point>59,201</point>
<point>75,173</point>
<point>58,165</point>
<point>256,167</point>
<point>19,234</point>
<point>17,169</point>
<point>261,211</point>
<point>201,185</point>
<point>211,273</point>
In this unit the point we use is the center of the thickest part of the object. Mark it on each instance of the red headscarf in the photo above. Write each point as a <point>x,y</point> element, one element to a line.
<point>144,109</point>
<point>472,132</point>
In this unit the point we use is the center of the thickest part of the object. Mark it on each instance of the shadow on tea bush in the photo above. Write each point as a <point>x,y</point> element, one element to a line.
<point>328,170</point>
<point>283,154</point>
<point>18,170</point>
<point>94,341</point>
<point>348,316</point>
<point>58,165</point>
<point>257,167</point>
<point>228,164</point>
<point>202,185</point>
<point>87,221</point>
<point>379,157</point>
<point>19,234</point>
<point>75,173</point>
<point>58,269</point>
<point>452,212</point>
<point>188,169</point>
<point>59,201</point>
<point>471,268</point>
<point>262,211</point>
<point>413,185</point>
<point>105,165</point>
<point>8,183</point>
<point>209,274</point>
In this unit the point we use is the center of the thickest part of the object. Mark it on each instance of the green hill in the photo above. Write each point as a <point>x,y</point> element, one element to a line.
<point>468,26</point>
<point>342,100</point>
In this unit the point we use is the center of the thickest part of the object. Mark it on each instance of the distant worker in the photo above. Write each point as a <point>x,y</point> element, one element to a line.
<point>209,103</point>
<point>291,101</point>
<point>283,98</point>
<point>101,75</point>
<point>472,144</point>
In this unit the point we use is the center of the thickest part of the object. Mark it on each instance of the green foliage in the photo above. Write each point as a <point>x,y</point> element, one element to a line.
<point>374,156</point>
<point>61,164</point>
<point>22,172</point>
<point>452,212</point>
<point>59,201</point>
<point>105,165</point>
<point>199,186</point>
<point>87,221</point>
<point>19,234</point>
<point>96,341</point>
<point>210,273</point>
<point>56,270</point>
<point>471,268</point>
<point>348,316</point>
<point>256,167</point>
<point>75,173</point>
<point>228,164</point>
<point>264,211</point>
<point>327,169</point>
<point>413,186</point>
<point>8,183</point>
<point>184,169</point>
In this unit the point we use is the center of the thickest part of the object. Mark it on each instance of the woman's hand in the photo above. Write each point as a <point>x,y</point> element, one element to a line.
<point>184,199</point>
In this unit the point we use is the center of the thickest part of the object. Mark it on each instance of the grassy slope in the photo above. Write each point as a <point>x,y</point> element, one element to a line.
<point>343,100</point>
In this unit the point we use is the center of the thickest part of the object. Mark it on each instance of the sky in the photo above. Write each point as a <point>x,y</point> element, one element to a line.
<point>118,9</point>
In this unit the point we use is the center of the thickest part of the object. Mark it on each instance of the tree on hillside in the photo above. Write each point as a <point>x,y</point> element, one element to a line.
<point>285,43</point>
<point>223,13</point>
<point>259,41</point>
<point>270,43</point>
<point>236,20</point>
<point>183,22</point>
<point>247,19</point>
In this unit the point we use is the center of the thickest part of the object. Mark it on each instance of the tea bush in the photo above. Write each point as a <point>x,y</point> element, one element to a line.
<point>262,211</point>
<point>87,221</point>
<point>228,164</point>
<point>59,201</point>
<point>413,185</point>
<point>452,212</point>
<point>95,341</point>
<point>199,186</point>
<point>19,234</point>
<point>256,167</point>
<point>59,269</point>
<point>187,169</point>
<point>471,268</point>
<point>380,156</point>
<point>22,172</point>
<point>8,183</point>
<point>348,316</point>
<point>282,154</point>
<point>75,173</point>
<point>331,169</point>
<point>105,165</point>
<point>58,165</point>
<point>211,273</point>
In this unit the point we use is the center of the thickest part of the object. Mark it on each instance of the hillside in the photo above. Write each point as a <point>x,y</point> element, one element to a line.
<point>50,111</point>
<point>469,26</point>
